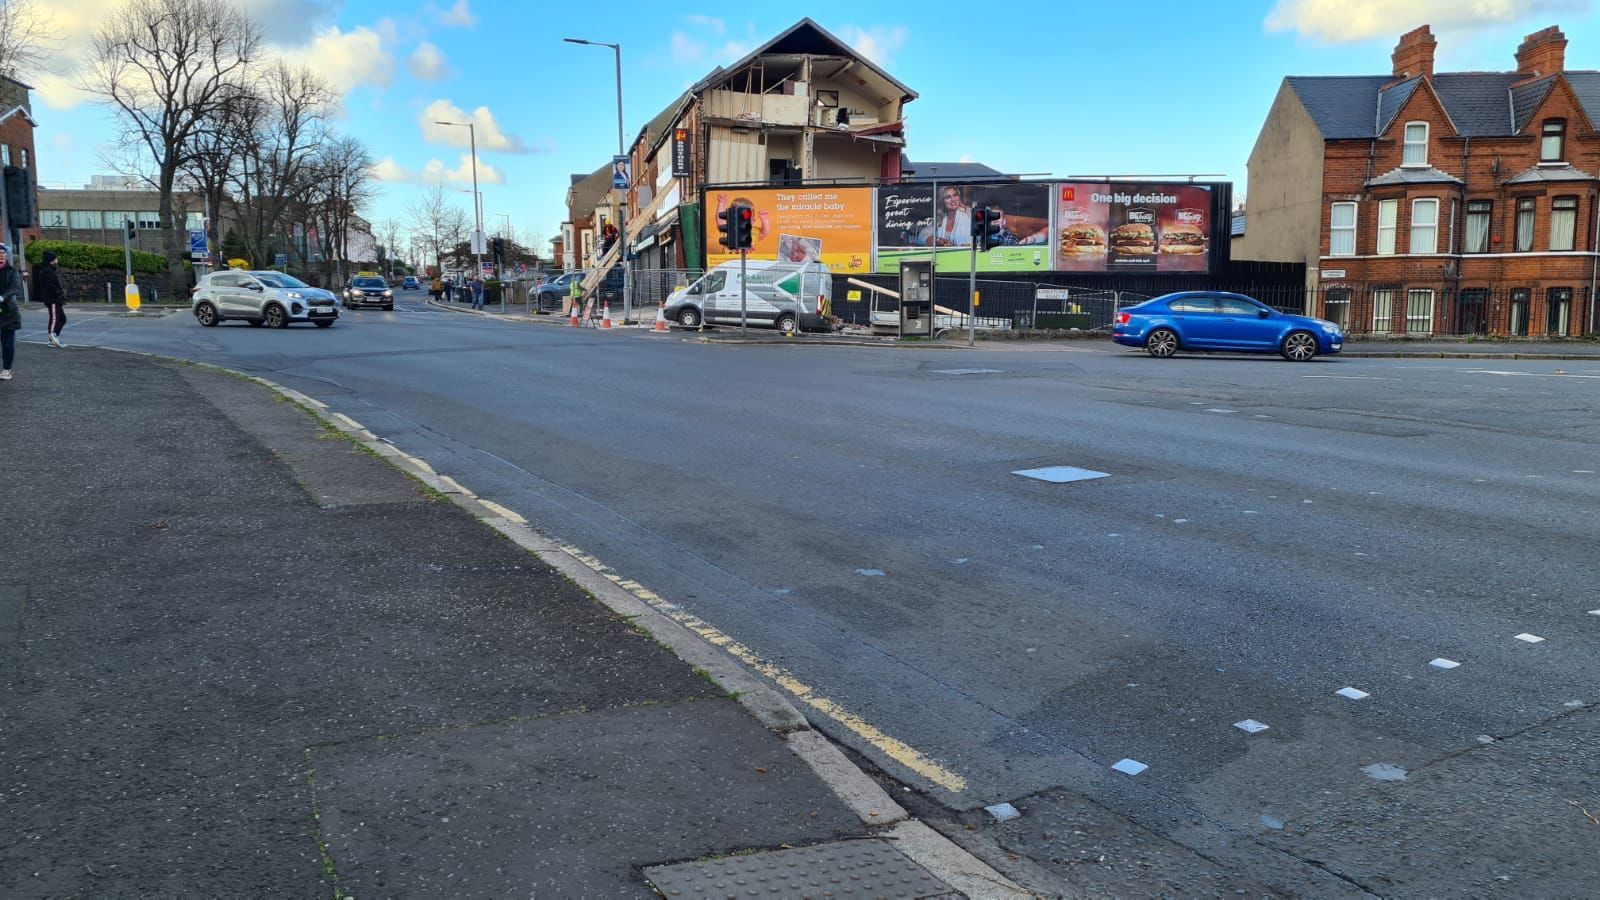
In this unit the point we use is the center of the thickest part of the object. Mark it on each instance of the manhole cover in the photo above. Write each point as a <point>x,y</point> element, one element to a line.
<point>867,868</point>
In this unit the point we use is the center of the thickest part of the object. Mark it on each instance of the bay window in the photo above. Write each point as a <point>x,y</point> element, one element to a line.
<point>1424,227</point>
<point>1388,217</point>
<point>1524,224</point>
<point>1563,222</point>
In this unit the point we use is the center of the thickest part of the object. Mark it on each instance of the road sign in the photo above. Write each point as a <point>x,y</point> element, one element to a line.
<point>488,269</point>
<point>197,243</point>
<point>281,260</point>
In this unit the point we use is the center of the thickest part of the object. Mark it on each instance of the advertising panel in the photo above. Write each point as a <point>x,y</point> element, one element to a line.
<point>830,224</point>
<point>912,223</point>
<point>1133,227</point>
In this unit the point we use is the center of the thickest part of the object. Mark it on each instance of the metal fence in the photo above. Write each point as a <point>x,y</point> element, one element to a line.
<point>1496,311</point>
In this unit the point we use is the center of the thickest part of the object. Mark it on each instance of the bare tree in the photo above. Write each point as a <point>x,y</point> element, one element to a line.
<point>213,154</point>
<point>387,233</point>
<point>437,223</point>
<point>165,66</point>
<point>25,38</point>
<point>277,172</point>
<point>342,185</point>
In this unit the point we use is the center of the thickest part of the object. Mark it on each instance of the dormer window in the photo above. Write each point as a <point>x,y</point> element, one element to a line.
<point>1416,152</point>
<point>1553,141</point>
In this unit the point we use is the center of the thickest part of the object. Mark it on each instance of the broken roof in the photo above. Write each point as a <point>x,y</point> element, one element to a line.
<point>805,38</point>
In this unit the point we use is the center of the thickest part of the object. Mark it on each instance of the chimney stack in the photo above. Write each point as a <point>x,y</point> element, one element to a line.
<point>1542,53</point>
<point>1413,56</point>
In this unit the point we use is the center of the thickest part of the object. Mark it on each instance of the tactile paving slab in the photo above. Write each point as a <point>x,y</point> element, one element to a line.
<point>865,868</point>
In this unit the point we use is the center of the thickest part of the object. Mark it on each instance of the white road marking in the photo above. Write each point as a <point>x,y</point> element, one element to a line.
<point>1130,767</point>
<point>1350,693</point>
<point>1061,474</point>
<point>1223,412</point>
<point>1251,726</point>
<point>870,573</point>
<point>1442,663</point>
<point>1530,638</point>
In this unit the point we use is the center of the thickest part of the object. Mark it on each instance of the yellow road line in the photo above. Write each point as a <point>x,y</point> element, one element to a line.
<point>895,749</point>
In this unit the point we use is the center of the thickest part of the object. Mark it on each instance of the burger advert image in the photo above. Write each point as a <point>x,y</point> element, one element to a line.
<point>1132,226</point>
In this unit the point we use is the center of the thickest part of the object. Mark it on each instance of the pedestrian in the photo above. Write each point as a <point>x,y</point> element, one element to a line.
<point>47,290</point>
<point>477,291</point>
<point>10,312</point>
<point>436,288</point>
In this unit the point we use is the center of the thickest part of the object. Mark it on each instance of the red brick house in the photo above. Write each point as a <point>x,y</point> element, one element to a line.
<point>16,148</point>
<point>1445,203</point>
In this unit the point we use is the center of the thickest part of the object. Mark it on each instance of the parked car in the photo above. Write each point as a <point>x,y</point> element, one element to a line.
<point>261,298</point>
<point>410,283</point>
<point>783,295</point>
<point>1203,320</point>
<point>553,294</point>
<point>368,290</point>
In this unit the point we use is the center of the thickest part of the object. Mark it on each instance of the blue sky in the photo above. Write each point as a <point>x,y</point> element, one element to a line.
<point>1066,89</point>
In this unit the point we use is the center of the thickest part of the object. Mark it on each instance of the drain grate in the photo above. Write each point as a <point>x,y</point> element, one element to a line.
<point>1061,474</point>
<point>866,868</point>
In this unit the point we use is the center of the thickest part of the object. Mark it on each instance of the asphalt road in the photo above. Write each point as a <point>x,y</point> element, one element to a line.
<point>1268,534</point>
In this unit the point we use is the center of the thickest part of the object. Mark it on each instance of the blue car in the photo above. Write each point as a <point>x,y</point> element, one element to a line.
<point>1234,323</point>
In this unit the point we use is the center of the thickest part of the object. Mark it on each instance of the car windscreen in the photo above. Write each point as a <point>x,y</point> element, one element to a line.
<point>279,280</point>
<point>369,283</point>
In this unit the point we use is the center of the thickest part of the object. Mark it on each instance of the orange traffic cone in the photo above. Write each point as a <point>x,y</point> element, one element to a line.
<point>605,316</point>
<point>661,320</point>
<point>573,322</point>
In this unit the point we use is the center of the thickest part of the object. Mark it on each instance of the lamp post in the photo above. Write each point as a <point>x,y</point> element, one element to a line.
<point>477,199</point>
<point>622,225</point>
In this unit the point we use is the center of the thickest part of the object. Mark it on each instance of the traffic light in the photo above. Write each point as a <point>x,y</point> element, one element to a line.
<point>130,230</point>
<point>725,226</point>
<point>499,246</point>
<point>985,226</point>
<point>19,197</point>
<point>743,227</point>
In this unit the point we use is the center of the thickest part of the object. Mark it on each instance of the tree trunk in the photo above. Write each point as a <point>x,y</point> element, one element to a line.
<point>169,234</point>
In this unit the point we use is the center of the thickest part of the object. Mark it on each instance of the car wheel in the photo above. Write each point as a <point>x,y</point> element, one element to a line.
<point>1161,343</point>
<point>255,323</point>
<point>788,323</point>
<point>276,317</point>
<point>206,314</point>
<point>689,317</point>
<point>324,323</point>
<point>1299,346</point>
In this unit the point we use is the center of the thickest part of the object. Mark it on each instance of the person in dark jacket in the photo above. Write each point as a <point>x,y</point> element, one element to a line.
<point>47,290</point>
<point>10,311</point>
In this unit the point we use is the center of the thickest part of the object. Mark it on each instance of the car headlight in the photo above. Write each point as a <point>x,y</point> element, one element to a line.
<point>388,293</point>
<point>295,295</point>
<point>1330,328</point>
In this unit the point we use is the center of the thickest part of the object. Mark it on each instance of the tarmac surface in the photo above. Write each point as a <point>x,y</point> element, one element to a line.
<point>1267,534</point>
<point>242,656</point>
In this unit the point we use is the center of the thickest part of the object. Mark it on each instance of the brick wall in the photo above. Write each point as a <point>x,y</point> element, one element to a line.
<point>1483,164</point>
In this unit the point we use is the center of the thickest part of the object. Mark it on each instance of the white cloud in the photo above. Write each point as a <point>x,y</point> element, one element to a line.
<point>345,59</point>
<point>1337,21</point>
<point>490,136</point>
<point>458,16</point>
<point>876,43</point>
<point>709,23</point>
<point>435,171</point>
<point>704,44</point>
<point>427,63</point>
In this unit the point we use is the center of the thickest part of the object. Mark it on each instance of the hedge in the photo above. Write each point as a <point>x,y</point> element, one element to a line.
<point>75,255</point>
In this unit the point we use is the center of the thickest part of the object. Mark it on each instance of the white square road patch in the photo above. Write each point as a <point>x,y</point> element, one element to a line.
<point>1350,693</point>
<point>966,371</point>
<point>1530,638</point>
<point>1130,767</point>
<point>1251,726</point>
<point>1442,663</point>
<point>1061,474</point>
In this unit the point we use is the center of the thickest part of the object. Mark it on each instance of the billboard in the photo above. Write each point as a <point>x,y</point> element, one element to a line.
<point>913,223</point>
<point>832,225</point>
<point>1133,227</point>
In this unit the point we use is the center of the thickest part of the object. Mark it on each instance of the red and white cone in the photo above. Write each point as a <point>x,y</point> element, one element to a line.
<point>661,320</point>
<point>605,317</point>
<point>573,321</point>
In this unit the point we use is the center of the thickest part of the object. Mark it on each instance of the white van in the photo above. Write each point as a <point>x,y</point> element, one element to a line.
<point>782,295</point>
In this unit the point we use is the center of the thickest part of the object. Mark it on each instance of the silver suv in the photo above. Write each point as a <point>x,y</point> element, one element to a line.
<point>261,298</point>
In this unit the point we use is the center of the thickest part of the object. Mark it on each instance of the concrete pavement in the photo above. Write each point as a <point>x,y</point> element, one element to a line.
<point>244,656</point>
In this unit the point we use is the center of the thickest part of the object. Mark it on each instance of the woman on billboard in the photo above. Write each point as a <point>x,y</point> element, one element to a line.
<point>952,223</point>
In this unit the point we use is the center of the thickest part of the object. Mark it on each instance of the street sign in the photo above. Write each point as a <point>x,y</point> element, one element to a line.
<point>479,244</point>
<point>197,244</point>
<point>488,269</point>
<point>680,152</point>
<point>281,260</point>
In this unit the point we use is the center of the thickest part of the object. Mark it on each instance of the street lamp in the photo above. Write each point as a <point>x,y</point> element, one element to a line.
<point>627,277</point>
<point>477,204</point>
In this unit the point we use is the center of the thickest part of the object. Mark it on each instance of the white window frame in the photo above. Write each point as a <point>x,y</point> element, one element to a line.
<point>5,154</point>
<point>1407,143</point>
<point>1561,142</point>
<point>1413,295</point>
<point>1390,210</point>
<point>52,218</point>
<point>1529,207</point>
<point>1433,227</point>
<point>1572,228</point>
<point>1382,311</point>
<point>1335,231</point>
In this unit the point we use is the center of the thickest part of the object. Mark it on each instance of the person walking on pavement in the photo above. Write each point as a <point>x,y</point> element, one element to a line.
<point>10,312</point>
<point>477,291</point>
<point>47,290</point>
<point>436,288</point>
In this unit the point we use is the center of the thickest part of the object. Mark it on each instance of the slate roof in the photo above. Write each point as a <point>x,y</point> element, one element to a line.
<point>950,170</point>
<point>1414,175</point>
<point>1481,104</point>
<point>1540,174</point>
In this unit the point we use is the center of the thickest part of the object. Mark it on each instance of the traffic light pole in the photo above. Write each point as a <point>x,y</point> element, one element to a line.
<point>127,250</point>
<point>744,293</point>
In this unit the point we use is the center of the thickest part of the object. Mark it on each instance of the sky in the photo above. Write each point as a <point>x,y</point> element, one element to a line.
<point>1164,88</point>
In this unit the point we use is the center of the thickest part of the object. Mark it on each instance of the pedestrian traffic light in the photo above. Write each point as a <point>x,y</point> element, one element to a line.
<point>130,230</point>
<point>985,226</point>
<point>499,249</point>
<point>725,228</point>
<point>19,197</point>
